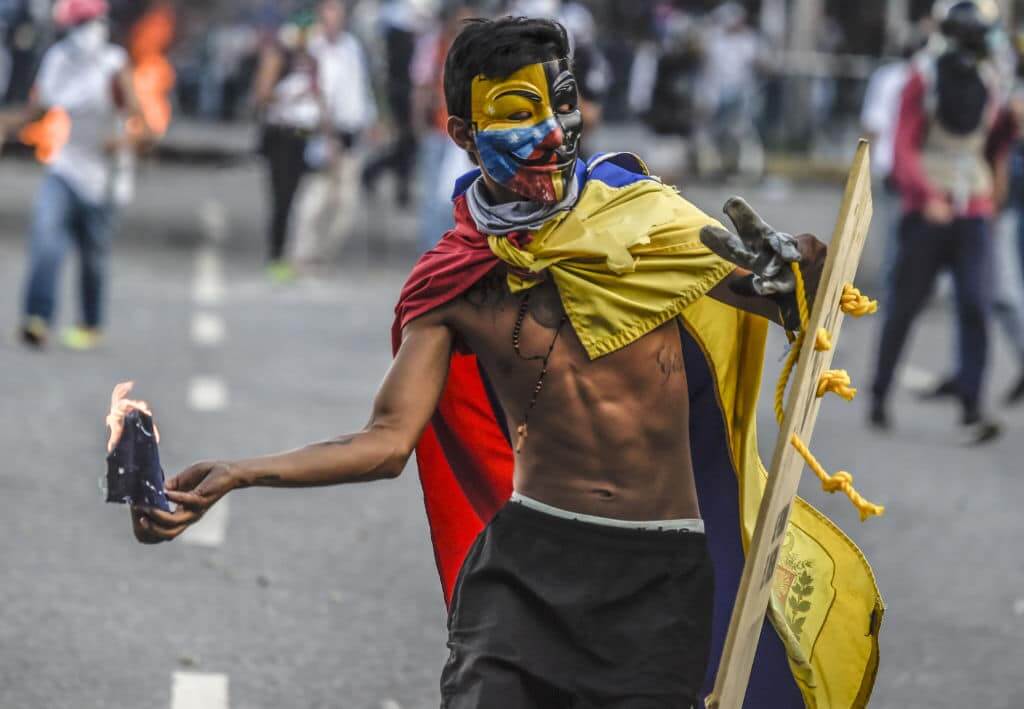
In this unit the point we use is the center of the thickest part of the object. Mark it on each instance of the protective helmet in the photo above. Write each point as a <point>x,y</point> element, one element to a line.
<point>968,22</point>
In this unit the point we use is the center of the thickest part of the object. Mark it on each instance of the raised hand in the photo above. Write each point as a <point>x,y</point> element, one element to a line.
<point>755,246</point>
<point>766,253</point>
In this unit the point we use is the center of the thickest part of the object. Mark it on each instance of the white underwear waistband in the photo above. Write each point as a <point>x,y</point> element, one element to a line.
<point>663,525</point>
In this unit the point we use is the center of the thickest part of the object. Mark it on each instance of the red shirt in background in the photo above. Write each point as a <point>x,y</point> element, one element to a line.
<point>911,132</point>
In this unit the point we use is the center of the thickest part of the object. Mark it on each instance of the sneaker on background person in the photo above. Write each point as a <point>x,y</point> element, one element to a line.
<point>34,332</point>
<point>81,339</point>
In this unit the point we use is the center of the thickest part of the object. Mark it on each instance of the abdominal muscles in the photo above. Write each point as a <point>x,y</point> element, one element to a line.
<point>607,437</point>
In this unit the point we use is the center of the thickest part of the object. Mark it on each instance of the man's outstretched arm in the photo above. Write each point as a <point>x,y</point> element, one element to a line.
<point>403,407</point>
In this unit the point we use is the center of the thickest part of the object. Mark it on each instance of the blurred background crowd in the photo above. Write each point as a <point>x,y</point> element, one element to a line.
<point>744,86</point>
<point>337,97</point>
<point>790,74</point>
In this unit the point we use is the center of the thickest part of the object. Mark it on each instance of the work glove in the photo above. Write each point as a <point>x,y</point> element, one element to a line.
<point>767,253</point>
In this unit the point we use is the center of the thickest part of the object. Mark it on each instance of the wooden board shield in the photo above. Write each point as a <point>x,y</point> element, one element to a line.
<point>800,415</point>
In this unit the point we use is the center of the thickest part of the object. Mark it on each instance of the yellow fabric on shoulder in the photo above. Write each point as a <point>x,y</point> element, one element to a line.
<point>626,260</point>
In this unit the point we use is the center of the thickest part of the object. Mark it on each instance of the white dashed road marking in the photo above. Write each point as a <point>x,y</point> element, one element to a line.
<point>207,329</point>
<point>196,690</point>
<point>207,394</point>
<point>208,285</point>
<point>213,221</point>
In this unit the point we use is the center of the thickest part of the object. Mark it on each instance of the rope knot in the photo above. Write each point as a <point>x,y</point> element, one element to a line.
<point>837,482</point>
<point>855,303</point>
<point>836,381</point>
<point>823,341</point>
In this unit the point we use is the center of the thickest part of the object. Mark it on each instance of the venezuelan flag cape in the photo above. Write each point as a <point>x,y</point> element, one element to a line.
<point>625,260</point>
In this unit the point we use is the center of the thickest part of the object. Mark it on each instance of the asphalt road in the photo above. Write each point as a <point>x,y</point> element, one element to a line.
<point>328,598</point>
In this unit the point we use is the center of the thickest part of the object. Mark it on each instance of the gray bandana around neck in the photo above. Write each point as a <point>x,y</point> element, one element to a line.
<point>501,219</point>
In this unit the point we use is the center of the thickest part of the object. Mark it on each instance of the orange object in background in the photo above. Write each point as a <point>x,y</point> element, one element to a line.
<point>47,135</point>
<point>152,75</point>
<point>153,79</point>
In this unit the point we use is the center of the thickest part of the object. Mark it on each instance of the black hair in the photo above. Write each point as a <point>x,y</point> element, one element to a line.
<point>495,49</point>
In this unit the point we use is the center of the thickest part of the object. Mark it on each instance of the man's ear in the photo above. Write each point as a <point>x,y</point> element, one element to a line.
<point>461,135</point>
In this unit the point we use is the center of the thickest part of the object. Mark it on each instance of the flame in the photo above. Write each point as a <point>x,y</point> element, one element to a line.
<point>153,76</point>
<point>47,135</point>
<point>120,405</point>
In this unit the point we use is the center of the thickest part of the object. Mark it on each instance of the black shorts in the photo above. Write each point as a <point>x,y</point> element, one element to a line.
<point>551,613</point>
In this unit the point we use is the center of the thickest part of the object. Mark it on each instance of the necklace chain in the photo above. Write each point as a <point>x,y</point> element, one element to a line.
<point>523,430</point>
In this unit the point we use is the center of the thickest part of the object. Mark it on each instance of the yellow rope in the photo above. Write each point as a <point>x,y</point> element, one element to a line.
<point>787,370</point>
<point>822,341</point>
<point>841,481</point>
<point>835,381</point>
<point>801,296</point>
<point>856,304</point>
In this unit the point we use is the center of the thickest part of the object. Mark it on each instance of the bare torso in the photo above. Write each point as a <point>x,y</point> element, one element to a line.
<point>608,437</point>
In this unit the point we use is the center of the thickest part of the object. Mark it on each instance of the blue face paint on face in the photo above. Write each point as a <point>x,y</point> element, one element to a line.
<point>500,149</point>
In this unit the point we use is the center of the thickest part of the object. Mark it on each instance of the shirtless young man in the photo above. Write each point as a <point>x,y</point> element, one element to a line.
<point>593,586</point>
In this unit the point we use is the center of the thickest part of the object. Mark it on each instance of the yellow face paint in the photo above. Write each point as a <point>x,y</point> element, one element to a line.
<point>527,127</point>
<point>510,102</point>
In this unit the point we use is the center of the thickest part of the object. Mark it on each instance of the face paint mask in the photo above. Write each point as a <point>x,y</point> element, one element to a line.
<point>527,128</point>
<point>91,37</point>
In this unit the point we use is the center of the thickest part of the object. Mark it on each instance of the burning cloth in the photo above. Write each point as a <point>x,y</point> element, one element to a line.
<point>134,475</point>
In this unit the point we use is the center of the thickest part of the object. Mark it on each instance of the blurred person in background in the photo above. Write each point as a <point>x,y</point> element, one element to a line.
<point>226,50</point>
<point>1016,173</point>
<point>8,16</point>
<point>89,80</point>
<point>953,129</point>
<point>878,119</point>
<point>1008,272</point>
<point>665,75</point>
<point>728,90</point>
<point>29,30</point>
<point>400,21</point>
<point>327,204</point>
<point>1007,283</point>
<point>441,162</point>
<point>291,107</point>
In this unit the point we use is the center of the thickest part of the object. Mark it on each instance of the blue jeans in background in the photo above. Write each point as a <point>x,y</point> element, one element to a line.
<point>59,218</point>
<point>963,247</point>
